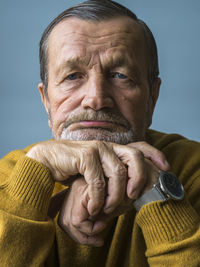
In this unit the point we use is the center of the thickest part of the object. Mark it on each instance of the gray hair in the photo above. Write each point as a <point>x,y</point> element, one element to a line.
<point>98,10</point>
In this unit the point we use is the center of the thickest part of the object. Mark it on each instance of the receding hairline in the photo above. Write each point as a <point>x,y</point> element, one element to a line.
<point>74,18</point>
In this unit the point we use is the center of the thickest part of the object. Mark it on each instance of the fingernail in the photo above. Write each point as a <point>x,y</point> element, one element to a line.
<point>133,195</point>
<point>166,162</point>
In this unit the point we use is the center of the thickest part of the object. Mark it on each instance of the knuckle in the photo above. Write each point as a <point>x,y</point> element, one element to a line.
<point>139,144</point>
<point>160,154</point>
<point>137,153</point>
<point>96,143</point>
<point>80,189</point>
<point>89,157</point>
<point>122,172</point>
<point>143,143</point>
<point>89,152</point>
<point>75,222</point>
<point>99,184</point>
<point>100,145</point>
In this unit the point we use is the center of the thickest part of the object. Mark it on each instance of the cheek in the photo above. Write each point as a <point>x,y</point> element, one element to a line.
<point>61,106</point>
<point>133,106</point>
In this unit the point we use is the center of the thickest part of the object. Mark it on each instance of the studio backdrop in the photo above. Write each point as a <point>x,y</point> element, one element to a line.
<point>175,25</point>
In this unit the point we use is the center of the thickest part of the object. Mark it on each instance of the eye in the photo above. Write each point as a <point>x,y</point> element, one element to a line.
<point>119,75</point>
<point>73,76</point>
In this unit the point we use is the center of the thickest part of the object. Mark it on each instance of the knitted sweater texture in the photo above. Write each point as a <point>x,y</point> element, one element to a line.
<point>161,234</point>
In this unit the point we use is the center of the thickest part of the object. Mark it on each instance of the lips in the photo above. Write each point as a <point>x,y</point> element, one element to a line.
<point>90,124</point>
<point>96,123</point>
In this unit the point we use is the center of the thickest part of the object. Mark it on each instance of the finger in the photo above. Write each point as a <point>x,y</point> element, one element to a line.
<point>153,174</point>
<point>87,231</point>
<point>82,221</point>
<point>80,231</point>
<point>90,228</point>
<point>90,167</point>
<point>134,159</point>
<point>74,204</point>
<point>116,173</point>
<point>74,210</point>
<point>152,153</point>
<point>81,237</point>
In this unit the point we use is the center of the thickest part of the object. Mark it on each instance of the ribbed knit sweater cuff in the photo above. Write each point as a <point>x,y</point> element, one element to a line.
<point>31,182</point>
<point>169,221</point>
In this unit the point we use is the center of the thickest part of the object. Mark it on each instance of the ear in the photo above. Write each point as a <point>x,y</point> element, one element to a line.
<point>154,94</point>
<point>45,101</point>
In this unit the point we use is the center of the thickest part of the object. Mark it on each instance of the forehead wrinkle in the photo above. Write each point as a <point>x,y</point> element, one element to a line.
<point>126,32</point>
<point>90,42</point>
<point>81,28</point>
<point>105,63</point>
<point>91,38</point>
<point>123,36</point>
<point>74,62</point>
<point>83,61</point>
<point>117,61</point>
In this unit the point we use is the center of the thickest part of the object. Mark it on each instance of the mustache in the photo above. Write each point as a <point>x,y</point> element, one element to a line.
<point>100,115</point>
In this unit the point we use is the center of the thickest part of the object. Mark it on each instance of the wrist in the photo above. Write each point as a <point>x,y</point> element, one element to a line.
<point>38,154</point>
<point>167,187</point>
<point>30,185</point>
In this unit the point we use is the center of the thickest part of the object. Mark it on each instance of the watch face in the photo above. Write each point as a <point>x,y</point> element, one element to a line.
<point>171,185</point>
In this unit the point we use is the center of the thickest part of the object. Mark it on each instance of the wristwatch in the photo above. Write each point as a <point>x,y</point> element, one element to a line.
<point>167,187</point>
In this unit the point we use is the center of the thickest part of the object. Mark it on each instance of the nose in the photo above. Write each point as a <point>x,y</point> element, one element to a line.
<point>97,94</point>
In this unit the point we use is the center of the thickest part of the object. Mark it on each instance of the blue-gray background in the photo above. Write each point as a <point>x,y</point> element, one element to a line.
<point>176,27</point>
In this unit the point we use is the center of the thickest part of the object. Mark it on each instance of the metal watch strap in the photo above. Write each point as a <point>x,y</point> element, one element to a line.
<point>167,187</point>
<point>150,196</point>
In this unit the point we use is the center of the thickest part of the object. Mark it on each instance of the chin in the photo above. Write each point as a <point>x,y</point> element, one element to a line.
<point>99,134</point>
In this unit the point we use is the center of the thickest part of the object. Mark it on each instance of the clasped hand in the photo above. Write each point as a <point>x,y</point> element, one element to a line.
<point>111,177</point>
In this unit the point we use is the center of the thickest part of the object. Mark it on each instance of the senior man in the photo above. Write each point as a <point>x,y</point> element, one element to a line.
<point>100,193</point>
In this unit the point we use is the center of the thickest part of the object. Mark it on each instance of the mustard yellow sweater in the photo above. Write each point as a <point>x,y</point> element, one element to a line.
<point>161,234</point>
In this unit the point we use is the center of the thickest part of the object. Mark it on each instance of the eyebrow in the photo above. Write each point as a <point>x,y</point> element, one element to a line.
<point>79,61</point>
<point>72,63</point>
<point>118,61</point>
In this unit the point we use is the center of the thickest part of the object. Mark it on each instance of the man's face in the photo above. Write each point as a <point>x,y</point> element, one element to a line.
<point>98,81</point>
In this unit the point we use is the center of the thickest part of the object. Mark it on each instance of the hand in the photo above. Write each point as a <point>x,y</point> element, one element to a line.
<point>76,221</point>
<point>74,218</point>
<point>143,163</point>
<point>100,162</point>
<point>92,159</point>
